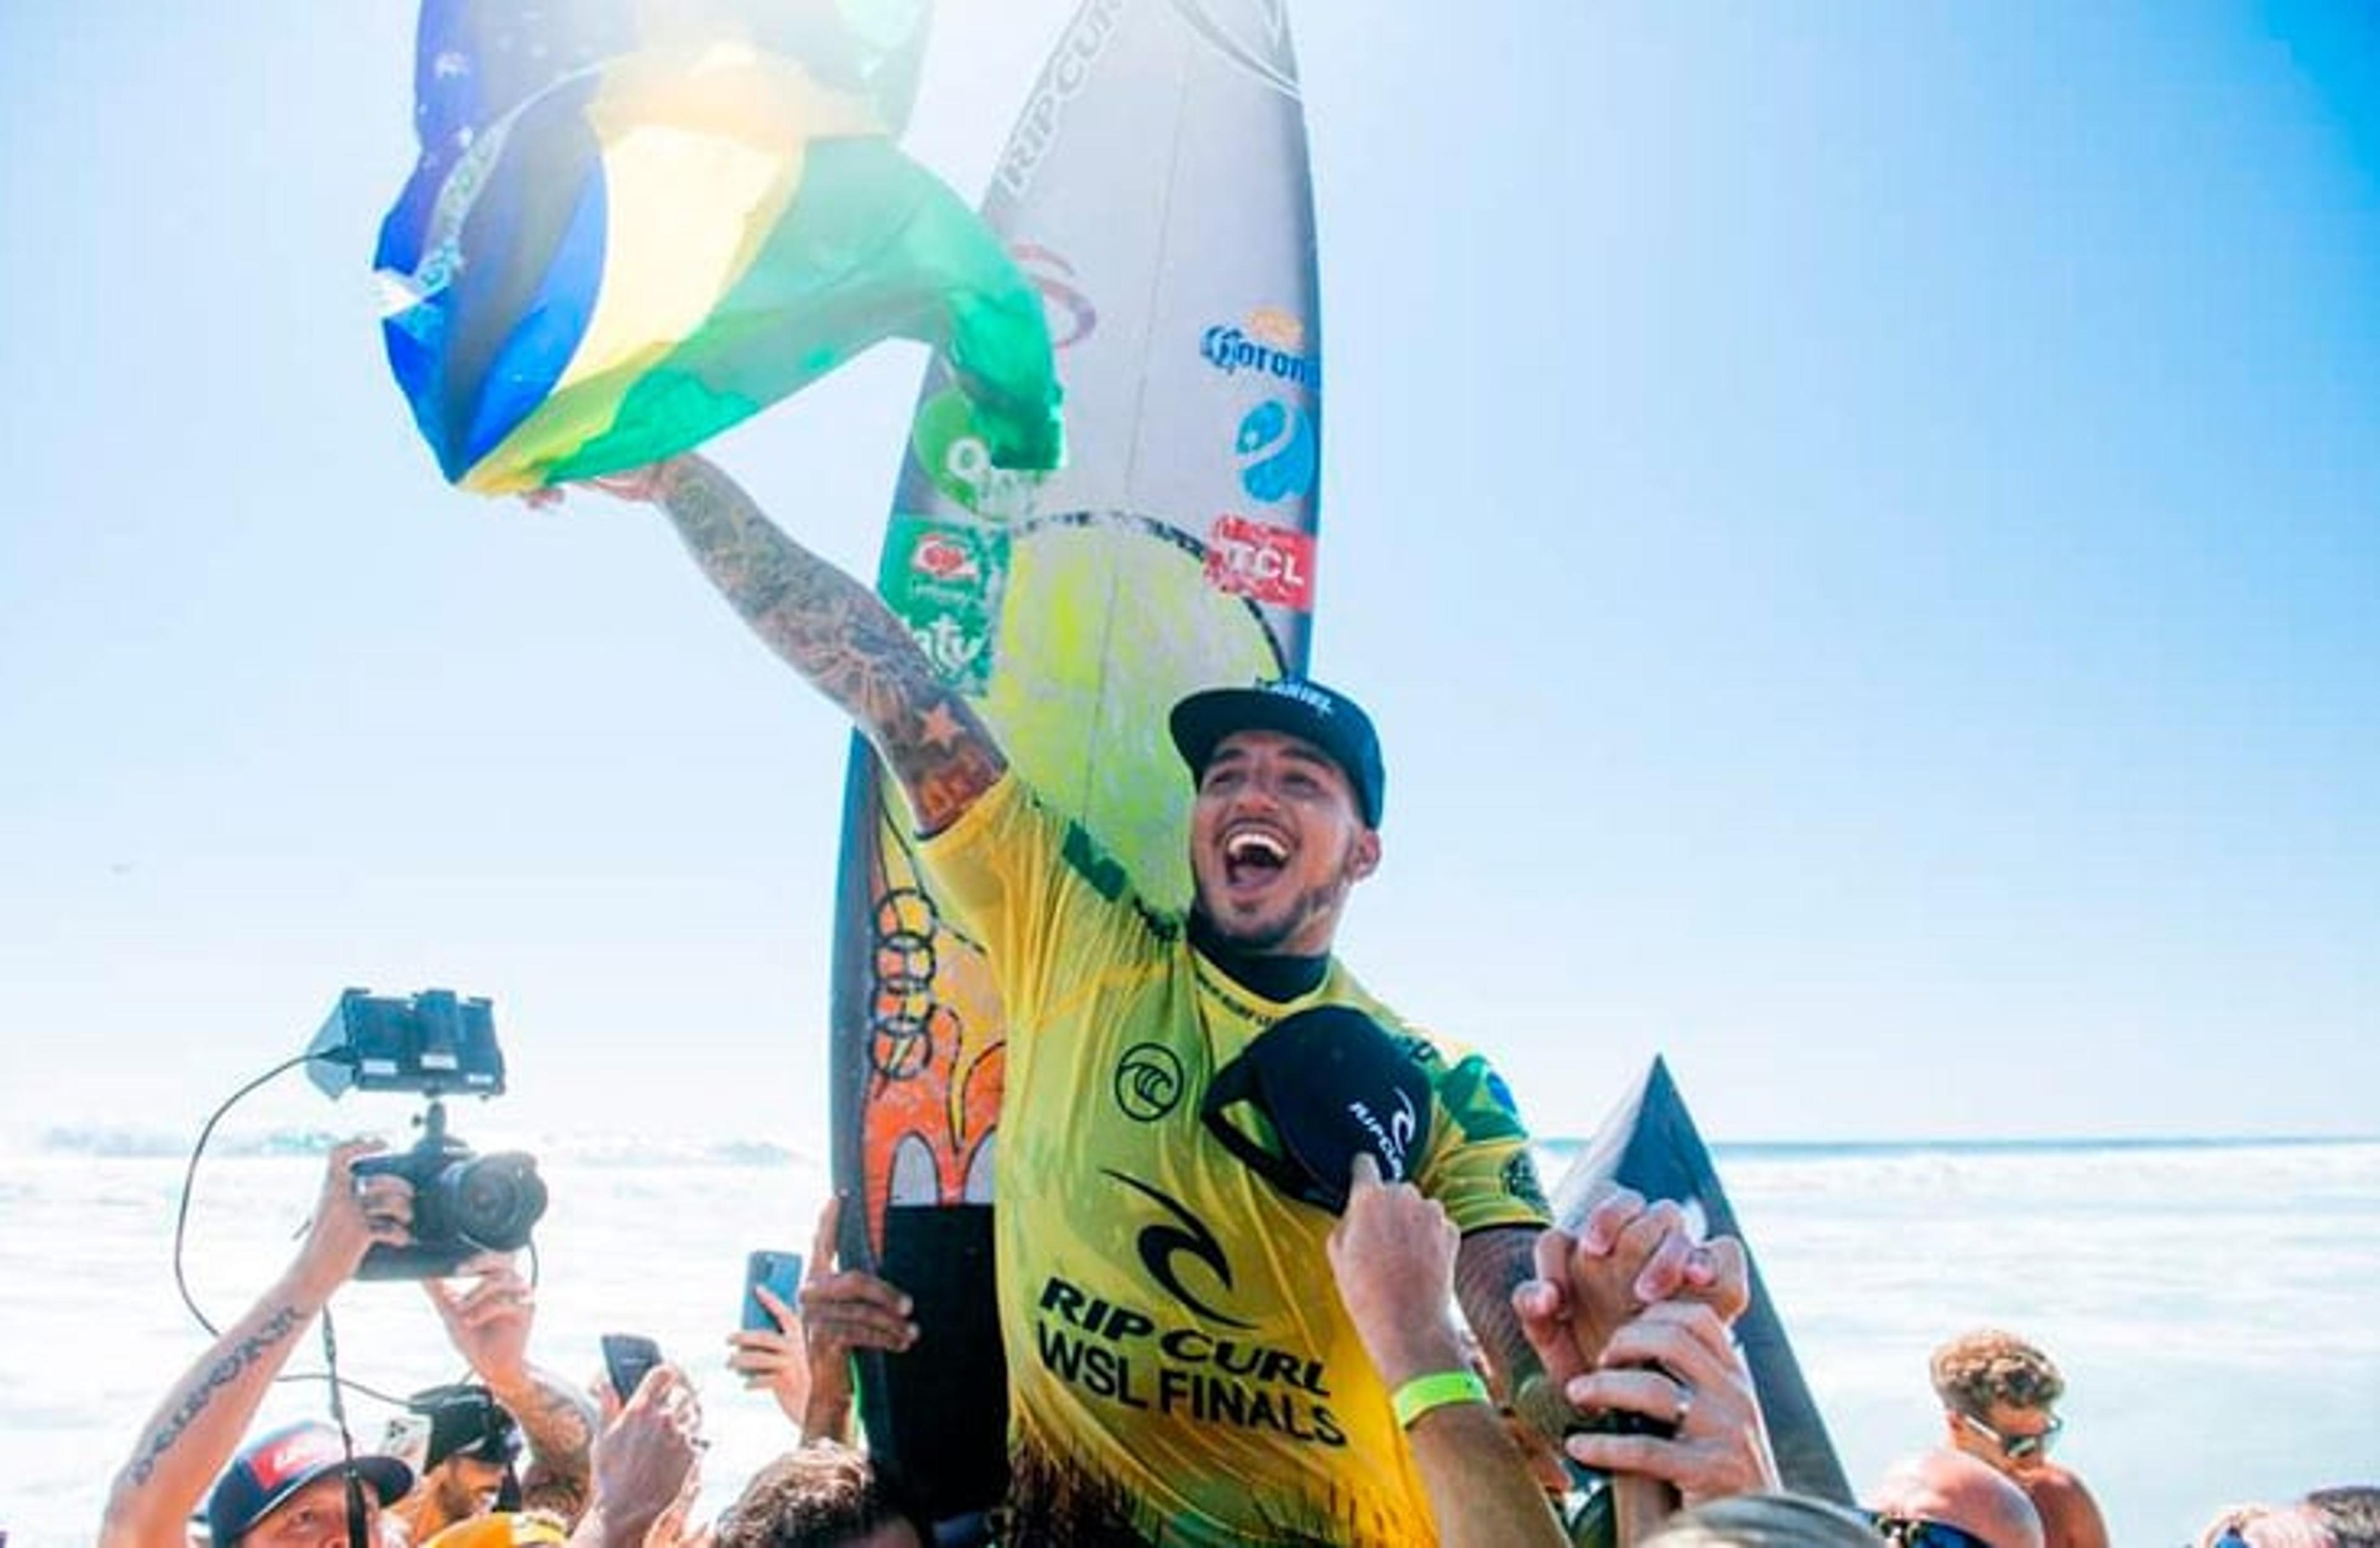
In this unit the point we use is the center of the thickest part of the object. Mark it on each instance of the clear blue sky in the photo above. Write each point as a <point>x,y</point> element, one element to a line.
<point>1860,523</point>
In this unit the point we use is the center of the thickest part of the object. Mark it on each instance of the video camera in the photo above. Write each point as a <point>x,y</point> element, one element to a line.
<point>463,1203</point>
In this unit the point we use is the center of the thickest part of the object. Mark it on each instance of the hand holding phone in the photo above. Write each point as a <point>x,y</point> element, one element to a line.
<point>782,1272</point>
<point>627,1357</point>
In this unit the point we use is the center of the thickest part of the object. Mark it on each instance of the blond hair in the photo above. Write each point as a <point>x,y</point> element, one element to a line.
<point>1976,1369</point>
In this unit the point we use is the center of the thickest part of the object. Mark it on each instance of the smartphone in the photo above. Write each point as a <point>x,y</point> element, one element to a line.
<point>781,1272</point>
<point>407,1439</point>
<point>626,1358</point>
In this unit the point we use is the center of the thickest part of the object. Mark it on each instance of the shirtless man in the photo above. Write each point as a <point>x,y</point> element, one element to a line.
<point>1999,1400</point>
<point>1949,1488</point>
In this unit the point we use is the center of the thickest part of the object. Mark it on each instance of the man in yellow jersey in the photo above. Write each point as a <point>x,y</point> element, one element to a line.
<point>1180,1369</point>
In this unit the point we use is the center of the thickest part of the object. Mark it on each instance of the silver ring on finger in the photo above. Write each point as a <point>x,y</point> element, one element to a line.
<point>1685,1406</point>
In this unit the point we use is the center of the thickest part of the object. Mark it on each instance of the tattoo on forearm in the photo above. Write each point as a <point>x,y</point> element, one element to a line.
<point>1490,1265</point>
<point>238,1358</point>
<point>562,1437</point>
<point>841,637</point>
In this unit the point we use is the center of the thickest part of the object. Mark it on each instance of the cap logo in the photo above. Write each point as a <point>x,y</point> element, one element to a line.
<point>1394,1137</point>
<point>289,1457</point>
<point>1304,692</point>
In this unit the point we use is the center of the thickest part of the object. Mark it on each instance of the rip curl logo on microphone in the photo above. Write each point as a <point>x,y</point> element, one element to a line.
<point>1394,1136</point>
<point>1148,1082</point>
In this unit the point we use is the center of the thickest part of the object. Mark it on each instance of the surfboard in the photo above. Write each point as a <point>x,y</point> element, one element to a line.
<point>1156,189</point>
<point>1649,1143</point>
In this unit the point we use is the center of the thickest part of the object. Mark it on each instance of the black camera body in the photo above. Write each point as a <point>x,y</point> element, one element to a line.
<point>463,1203</point>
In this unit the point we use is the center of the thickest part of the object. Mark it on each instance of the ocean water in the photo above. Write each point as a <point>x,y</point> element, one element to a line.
<point>2215,1306</point>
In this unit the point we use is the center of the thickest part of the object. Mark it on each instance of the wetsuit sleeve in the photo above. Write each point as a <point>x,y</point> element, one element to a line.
<point>1479,1165</point>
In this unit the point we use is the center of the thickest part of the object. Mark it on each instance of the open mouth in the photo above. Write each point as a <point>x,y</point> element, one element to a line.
<point>1253,856</point>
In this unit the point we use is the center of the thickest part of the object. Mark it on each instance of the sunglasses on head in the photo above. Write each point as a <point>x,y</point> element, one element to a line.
<point>1917,1532</point>
<point>2016,1447</point>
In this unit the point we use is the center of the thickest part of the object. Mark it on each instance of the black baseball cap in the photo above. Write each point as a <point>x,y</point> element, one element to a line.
<point>273,1467</point>
<point>467,1420</point>
<point>1295,706</point>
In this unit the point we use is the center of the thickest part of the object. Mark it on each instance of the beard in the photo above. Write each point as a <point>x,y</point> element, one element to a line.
<point>1269,932</point>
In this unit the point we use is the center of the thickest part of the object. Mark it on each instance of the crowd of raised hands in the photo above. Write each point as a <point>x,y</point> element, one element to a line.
<point>516,1453</point>
<point>1640,1389</point>
<point>1628,1316</point>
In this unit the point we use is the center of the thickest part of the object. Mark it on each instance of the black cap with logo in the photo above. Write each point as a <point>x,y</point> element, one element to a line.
<point>1294,706</point>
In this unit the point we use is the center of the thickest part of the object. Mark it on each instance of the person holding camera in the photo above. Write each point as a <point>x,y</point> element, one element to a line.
<point>290,1488</point>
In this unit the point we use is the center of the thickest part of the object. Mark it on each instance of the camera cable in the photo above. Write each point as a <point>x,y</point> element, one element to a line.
<point>190,1175</point>
<point>355,1480</point>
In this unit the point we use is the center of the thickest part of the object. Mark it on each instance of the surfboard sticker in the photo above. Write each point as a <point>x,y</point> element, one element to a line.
<point>1651,1143</point>
<point>1156,190</point>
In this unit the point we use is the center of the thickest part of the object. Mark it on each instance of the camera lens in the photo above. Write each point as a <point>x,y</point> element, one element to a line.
<point>492,1202</point>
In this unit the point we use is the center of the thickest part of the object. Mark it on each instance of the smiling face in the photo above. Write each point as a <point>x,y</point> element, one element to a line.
<point>1276,840</point>
<point>462,1487</point>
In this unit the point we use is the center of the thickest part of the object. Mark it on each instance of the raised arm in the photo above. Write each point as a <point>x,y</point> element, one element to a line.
<point>490,1325</point>
<point>1393,1257</point>
<point>836,633</point>
<point>195,1431</point>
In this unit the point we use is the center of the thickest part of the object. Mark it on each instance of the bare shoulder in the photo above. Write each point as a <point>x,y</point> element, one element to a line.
<point>2069,1516</point>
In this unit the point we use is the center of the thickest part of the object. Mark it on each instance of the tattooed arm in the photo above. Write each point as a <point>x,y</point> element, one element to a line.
<point>490,1325</point>
<point>196,1429</point>
<point>1489,1266</point>
<point>559,1425</point>
<point>836,633</point>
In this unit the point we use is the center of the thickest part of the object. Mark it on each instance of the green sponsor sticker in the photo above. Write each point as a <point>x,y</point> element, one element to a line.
<point>944,579</point>
<point>949,445</point>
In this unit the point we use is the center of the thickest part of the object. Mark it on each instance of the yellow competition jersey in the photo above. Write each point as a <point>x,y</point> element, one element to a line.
<point>1177,1352</point>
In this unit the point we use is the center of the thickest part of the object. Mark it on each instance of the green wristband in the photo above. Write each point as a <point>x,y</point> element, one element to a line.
<point>1436,1390</point>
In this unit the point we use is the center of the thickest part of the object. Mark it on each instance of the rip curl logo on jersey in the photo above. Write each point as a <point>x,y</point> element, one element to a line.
<point>1162,1248</point>
<point>1147,1082</point>
<point>1279,452</point>
<point>1124,1354</point>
